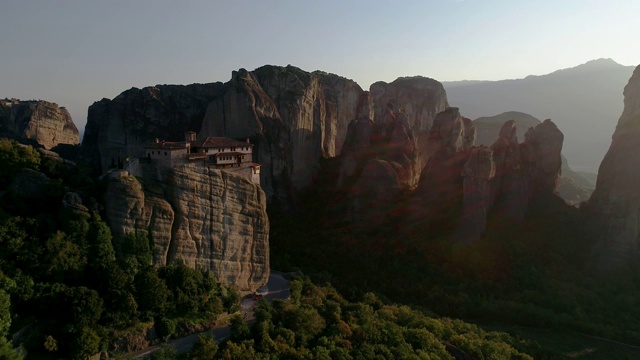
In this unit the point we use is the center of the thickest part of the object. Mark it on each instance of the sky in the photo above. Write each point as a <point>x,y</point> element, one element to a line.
<point>76,52</point>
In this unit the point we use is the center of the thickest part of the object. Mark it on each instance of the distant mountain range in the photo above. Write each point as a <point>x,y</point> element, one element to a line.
<point>584,101</point>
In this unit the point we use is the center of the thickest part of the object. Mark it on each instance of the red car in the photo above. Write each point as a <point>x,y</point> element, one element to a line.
<point>257,297</point>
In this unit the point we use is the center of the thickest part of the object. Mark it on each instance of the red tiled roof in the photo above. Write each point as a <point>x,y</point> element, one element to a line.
<point>219,142</point>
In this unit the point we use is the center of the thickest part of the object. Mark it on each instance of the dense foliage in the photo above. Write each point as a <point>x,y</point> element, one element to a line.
<point>63,290</point>
<point>318,323</point>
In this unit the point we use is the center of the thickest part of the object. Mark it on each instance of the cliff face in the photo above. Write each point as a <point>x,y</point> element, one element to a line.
<point>420,98</point>
<point>209,218</point>
<point>40,121</point>
<point>121,127</point>
<point>293,117</point>
<point>378,163</point>
<point>449,144</point>
<point>467,182</point>
<point>616,199</point>
<point>573,188</point>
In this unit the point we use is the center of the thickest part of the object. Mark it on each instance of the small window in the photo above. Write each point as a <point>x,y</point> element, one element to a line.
<point>165,153</point>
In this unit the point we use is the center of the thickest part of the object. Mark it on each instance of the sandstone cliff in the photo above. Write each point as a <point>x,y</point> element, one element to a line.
<point>421,98</point>
<point>615,203</point>
<point>573,187</point>
<point>449,145</point>
<point>43,122</point>
<point>468,183</point>
<point>293,117</point>
<point>379,162</point>
<point>120,128</point>
<point>208,218</point>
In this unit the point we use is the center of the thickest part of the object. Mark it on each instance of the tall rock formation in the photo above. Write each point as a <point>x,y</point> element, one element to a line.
<point>525,170</point>
<point>574,188</point>
<point>420,98</point>
<point>43,122</point>
<point>294,118</point>
<point>468,183</point>
<point>478,173</point>
<point>449,145</point>
<point>120,128</point>
<point>210,219</point>
<point>378,163</point>
<point>615,203</point>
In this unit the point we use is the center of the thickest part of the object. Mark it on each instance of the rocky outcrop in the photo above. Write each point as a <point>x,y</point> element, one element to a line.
<point>43,122</point>
<point>420,98</point>
<point>532,168</point>
<point>449,144</point>
<point>293,117</point>
<point>615,203</point>
<point>478,173</point>
<point>573,187</point>
<point>378,163</point>
<point>511,186</point>
<point>208,218</point>
<point>120,128</point>
<point>543,145</point>
<point>468,183</point>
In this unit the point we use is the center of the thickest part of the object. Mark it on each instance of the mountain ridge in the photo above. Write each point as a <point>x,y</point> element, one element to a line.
<point>580,99</point>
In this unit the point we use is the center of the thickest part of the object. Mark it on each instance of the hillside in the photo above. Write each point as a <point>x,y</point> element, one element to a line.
<point>581,100</point>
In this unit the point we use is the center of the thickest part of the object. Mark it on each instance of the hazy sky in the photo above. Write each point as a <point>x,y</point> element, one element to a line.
<point>77,52</point>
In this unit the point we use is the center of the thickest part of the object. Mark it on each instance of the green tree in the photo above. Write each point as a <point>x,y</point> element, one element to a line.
<point>87,306</point>
<point>166,352</point>
<point>101,251</point>
<point>63,256</point>
<point>239,329</point>
<point>137,245</point>
<point>85,343</point>
<point>14,157</point>
<point>7,352</point>
<point>151,293</point>
<point>231,299</point>
<point>5,313</point>
<point>206,348</point>
<point>165,327</point>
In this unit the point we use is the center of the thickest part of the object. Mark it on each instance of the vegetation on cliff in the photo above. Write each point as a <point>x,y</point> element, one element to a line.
<point>63,290</point>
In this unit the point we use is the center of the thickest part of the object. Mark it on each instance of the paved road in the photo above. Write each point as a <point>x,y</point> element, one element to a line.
<point>278,289</point>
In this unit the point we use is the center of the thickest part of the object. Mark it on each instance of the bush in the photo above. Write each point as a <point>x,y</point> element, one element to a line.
<point>165,327</point>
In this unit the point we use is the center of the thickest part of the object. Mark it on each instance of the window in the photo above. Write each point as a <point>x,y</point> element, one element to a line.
<point>165,153</point>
